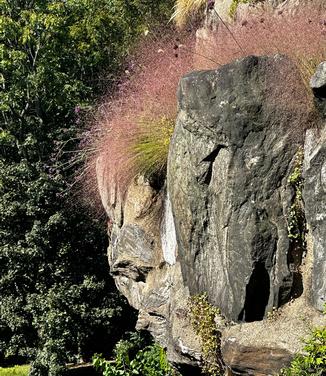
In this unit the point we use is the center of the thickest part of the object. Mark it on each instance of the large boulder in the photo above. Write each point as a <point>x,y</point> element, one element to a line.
<point>232,152</point>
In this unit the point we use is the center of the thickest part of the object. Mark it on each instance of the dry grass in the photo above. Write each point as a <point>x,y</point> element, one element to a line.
<point>183,10</point>
<point>151,145</point>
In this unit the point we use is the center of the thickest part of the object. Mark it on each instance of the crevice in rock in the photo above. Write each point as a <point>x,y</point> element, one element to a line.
<point>186,369</point>
<point>158,315</point>
<point>292,286</point>
<point>257,294</point>
<point>128,269</point>
<point>157,180</point>
<point>207,175</point>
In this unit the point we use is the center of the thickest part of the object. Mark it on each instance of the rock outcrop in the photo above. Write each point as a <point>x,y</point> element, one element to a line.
<point>142,258</point>
<point>231,156</point>
<point>221,222</point>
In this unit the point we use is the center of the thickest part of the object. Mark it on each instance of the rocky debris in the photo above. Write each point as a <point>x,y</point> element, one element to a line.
<point>314,194</point>
<point>257,361</point>
<point>231,155</point>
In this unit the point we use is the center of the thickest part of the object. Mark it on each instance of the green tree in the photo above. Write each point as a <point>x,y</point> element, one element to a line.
<point>57,57</point>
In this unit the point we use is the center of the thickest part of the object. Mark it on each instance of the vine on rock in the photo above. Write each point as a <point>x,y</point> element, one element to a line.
<point>296,213</point>
<point>203,319</point>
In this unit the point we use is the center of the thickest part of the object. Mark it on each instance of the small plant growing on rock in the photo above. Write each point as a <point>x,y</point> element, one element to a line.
<point>203,319</point>
<point>296,217</point>
<point>273,314</point>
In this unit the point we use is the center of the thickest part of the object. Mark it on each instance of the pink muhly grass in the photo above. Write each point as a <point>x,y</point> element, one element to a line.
<point>127,131</point>
<point>131,132</point>
<point>300,35</point>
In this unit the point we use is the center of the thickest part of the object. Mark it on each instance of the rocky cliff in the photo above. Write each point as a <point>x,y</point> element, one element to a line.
<point>241,216</point>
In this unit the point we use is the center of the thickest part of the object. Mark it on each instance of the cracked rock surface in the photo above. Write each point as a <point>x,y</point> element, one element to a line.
<point>231,156</point>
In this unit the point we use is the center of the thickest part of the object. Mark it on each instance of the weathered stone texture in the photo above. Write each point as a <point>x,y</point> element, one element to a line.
<point>142,257</point>
<point>229,163</point>
<point>221,224</point>
<point>314,195</point>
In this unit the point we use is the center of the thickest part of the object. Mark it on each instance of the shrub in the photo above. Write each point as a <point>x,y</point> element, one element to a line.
<point>296,216</point>
<point>132,130</point>
<point>203,315</point>
<point>313,362</point>
<point>131,359</point>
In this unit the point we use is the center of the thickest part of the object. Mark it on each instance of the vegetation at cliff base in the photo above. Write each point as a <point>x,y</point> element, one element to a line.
<point>14,371</point>
<point>135,356</point>
<point>313,361</point>
<point>203,316</point>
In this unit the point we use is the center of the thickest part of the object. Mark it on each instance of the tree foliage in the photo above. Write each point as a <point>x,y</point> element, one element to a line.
<point>57,57</point>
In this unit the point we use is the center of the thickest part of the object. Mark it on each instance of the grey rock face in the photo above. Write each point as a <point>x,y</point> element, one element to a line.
<point>318,81</point>
<point>314,194</point>
<point>230,158</point>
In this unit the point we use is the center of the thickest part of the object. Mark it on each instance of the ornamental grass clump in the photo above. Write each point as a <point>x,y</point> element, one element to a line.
<point>131,131</point>
<point>184,9</point>
<point>300,35</point>
<point>150,145</point>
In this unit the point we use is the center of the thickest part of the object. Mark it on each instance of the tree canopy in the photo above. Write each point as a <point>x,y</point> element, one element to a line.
<point>57,57</point>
